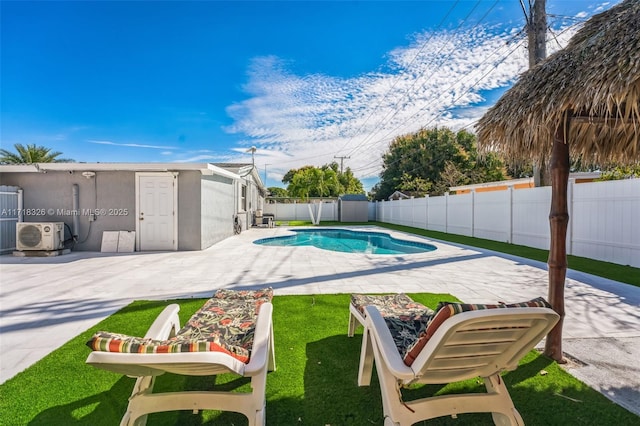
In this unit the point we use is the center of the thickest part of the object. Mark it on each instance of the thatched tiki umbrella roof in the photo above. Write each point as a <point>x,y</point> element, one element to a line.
<point>583,101</point>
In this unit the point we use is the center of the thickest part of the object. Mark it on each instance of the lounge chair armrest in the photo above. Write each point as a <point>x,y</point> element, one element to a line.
<point>261,341</point>
<point>376,325</point>
<point>166,324</point>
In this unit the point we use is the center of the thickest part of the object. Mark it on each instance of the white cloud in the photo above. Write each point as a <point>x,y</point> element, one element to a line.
<point>132,145</point>
<point>438,80</point>
<point>602,7</point>
<point>200,159</point>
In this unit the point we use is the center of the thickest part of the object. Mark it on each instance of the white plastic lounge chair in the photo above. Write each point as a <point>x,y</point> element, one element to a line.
<point>195,354</point>
<point>477,343</point>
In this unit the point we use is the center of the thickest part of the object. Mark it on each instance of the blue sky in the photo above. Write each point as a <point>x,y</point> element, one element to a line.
<point>304,82</point>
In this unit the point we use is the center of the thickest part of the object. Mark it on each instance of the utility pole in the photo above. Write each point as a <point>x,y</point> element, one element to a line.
<point>341,161</point>
<point>537,37</point>
<point>537,32</point>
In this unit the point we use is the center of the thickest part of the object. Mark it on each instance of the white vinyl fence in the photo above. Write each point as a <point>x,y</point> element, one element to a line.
<point>604,219</point>
<point>303,211</point>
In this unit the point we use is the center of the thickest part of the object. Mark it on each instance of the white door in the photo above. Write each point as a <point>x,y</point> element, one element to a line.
<point>157,218</point>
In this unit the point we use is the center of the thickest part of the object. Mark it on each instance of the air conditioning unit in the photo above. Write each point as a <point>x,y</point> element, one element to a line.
<point>39,236</point>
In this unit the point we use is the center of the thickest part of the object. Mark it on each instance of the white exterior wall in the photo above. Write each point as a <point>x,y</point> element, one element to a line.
<point>217,198</point>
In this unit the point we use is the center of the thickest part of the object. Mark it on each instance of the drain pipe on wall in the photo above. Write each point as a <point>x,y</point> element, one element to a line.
<point>76,211</point>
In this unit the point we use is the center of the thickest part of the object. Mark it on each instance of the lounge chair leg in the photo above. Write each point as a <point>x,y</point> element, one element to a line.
<point>144,385</point>
<point>501,419</point>
<point>389,422</point>
<point>259,420</point>
<point>271,364</point>
<point>366,360</point>
<point>508,415</point>
<point>353,323</point>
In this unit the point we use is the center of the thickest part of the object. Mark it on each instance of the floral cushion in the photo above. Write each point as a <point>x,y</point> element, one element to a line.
<point>265,293</point>
<point>405,318</point>
<point>391,305</point>
<point>226,323</point>
<point>445,310</point>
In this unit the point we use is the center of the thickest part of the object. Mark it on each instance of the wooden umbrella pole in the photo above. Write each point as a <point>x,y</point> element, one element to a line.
<point>558,222</point>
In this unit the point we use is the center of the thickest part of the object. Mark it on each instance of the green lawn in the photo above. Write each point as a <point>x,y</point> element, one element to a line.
<point>314,384</point>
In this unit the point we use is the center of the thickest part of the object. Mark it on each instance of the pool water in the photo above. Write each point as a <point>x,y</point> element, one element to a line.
<point>348,241</point>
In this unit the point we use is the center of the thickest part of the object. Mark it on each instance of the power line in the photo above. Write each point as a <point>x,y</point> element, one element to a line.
<point>424,44</point>
<point>394,110</point>
<point>367,141</point>
<point>443,59</point>
<point>470,87</point>
<point>462,94</point>
<point>452,86</point>
<point>495,65</point>
<point>415,115</point>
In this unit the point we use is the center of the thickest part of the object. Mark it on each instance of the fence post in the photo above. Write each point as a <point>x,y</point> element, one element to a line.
<point>510,222</point>
<point>446,212</point>
<point>570,211</point>
<point>473,212</point>
<point>426,212</point>
<point>413,211</point>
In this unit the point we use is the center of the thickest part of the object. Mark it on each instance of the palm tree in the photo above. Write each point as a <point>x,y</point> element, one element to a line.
<point>31,154</point>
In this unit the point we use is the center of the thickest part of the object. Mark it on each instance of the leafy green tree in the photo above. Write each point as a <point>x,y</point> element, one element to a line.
<point>451,176</point>
<point>300,183</point>
<point>31,154</point>
<point>325,181</point>
<point>525,170</point>
<point>350,184</point>
<point>414,184</point>
<point>288,177</point>
<point>277,192</point>
<point>621,172</point>
<point>373,193</point>
<point>313,182</point>
<point>520,170</point>
<point>432,160</point>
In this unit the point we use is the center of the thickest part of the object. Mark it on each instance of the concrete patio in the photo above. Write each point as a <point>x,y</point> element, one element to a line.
<point>44,302</point>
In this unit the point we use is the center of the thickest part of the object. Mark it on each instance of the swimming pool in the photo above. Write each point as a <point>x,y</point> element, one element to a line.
<point>348,241</point>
